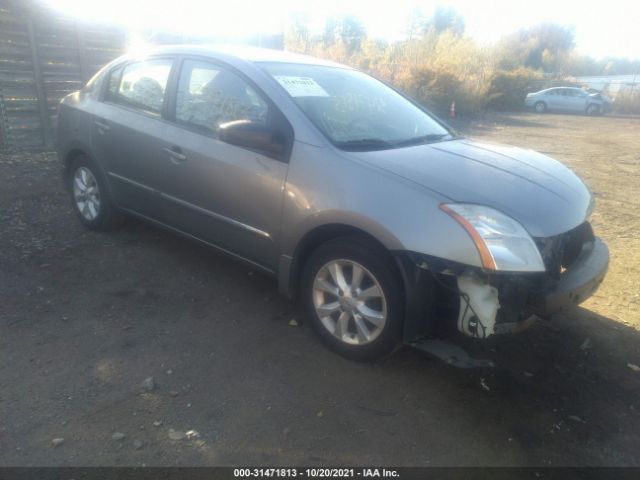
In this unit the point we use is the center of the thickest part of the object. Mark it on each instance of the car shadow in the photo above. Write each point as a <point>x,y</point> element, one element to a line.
<point>572,380</point>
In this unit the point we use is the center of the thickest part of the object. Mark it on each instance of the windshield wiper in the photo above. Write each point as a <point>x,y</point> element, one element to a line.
<point>430,138</point>
<point>365,143</point>
<point>379,144</point>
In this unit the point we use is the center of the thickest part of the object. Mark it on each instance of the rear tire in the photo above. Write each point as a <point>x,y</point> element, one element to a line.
<point>540,107</point>
<point>353,298</point>
<point>90,197</point>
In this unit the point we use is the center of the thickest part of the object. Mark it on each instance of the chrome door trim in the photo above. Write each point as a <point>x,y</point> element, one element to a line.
<point>102,125</point>
<point>131,182</point>
<point>198,239</point>
<point>217,216</point>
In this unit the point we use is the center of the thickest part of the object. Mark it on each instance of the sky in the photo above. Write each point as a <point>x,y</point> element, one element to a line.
<point>602,28</point>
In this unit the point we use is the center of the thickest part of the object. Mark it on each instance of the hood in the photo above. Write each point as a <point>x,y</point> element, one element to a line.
<point>539,192</point>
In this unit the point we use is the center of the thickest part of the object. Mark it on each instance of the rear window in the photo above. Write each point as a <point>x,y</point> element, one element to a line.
<point>140,85</point>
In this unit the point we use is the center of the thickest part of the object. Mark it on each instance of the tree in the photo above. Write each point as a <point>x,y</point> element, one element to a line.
<point>446,18</point>
<point>416,23</point>
<point>541,47</point>
<point>352,33</point>
<point>299,36</point>
<point>330,34</point>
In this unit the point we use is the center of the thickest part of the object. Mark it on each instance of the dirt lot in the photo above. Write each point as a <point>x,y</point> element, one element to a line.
<point>86,317</point>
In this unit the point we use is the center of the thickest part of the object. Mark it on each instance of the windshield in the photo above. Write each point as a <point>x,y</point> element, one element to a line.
<point>356,111</point>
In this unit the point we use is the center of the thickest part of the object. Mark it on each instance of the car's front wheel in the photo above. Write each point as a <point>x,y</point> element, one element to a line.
<point>593,109</point>
<point>90,197</point>
<point>352,296</point>
<point>540,107</point>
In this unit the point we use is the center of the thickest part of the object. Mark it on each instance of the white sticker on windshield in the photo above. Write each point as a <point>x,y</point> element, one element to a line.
<point>301,86</point>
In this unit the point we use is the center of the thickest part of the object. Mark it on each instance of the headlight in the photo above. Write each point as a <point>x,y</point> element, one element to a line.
<point>503,244</point>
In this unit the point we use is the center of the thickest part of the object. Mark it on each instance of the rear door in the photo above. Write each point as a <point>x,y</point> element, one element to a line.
<point>553,98</point>
<point>127,133</point>
<point>224,194</point>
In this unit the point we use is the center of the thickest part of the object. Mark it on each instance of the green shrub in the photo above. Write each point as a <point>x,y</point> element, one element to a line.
<point>435,90</point>
<point>508,89</point>
<point>627,102</point>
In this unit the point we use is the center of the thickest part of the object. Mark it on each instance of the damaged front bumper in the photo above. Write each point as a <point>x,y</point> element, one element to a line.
<point>481,303</point>
<point>576,283</point>
<point>504,303</point>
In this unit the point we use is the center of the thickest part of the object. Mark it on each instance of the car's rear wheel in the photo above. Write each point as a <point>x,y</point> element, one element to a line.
<point>540,107</point>
<point>90,197</point>
<point>593,109</point>
<point>352,296</point>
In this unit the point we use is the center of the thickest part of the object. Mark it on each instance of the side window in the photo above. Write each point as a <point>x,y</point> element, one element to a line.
<point>113,83</point>
<point>141,85</point>
<point>209,96</point>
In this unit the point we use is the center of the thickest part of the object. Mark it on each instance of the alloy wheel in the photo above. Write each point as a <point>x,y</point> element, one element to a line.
<point>86,193</point>
<point>349,302</point>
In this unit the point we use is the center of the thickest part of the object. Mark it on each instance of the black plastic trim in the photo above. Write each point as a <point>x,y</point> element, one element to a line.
<point>418,304</point>
<point>578,282</point>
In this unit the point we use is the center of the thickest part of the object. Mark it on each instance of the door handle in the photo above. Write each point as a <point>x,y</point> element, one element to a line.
<point>102,125</point>
<point>175,155</point>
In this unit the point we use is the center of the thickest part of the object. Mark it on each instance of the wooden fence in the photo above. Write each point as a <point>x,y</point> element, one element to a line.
<point>43,57</point>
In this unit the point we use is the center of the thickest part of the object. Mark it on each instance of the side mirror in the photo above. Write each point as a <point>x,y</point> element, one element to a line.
<point>248,134</point>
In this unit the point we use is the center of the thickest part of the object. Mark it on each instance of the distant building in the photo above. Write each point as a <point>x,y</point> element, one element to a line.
<point>612,84</point>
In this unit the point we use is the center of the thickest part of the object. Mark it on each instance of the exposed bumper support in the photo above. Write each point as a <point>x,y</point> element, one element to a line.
<point>522,297</point>
<point>478,306</point>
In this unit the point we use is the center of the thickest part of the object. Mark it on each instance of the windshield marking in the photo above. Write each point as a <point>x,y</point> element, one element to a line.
<point>301,86</point>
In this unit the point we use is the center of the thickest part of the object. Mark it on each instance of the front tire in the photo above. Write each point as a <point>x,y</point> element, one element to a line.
<point>593,109</point>
<point>90,197</point>
<point>540,107</point>
<point>353,298</point>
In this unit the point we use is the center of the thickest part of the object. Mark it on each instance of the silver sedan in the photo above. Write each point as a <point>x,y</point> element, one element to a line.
<point>384,223</point>
<point>568,99</point>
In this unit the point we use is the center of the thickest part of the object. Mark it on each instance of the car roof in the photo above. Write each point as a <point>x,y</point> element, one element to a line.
<point>243,52</point>
<point>560,88</point>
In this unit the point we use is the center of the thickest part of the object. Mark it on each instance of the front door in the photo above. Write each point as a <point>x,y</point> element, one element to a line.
<point>572,101</point>
<point>224,194</point>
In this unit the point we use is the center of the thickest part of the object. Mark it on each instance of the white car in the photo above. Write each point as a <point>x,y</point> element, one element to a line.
<point>568,99</point>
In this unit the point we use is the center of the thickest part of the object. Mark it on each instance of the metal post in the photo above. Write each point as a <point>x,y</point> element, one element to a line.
<point>37,73</point>
<point>84,67</point>
<point>4,126</point>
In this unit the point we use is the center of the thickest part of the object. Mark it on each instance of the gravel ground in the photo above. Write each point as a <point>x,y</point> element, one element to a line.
<point>87,318</point>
